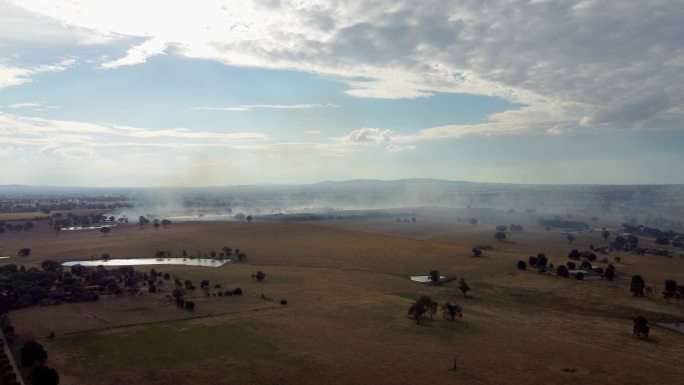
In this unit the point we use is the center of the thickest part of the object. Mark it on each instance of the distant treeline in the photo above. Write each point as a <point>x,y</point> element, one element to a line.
<point>566,224</point>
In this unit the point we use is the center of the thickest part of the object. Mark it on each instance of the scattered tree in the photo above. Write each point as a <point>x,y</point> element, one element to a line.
<point>500,235</point>
<point>605,234</point>
<point>562,271</point>
<point>609,273</point>
<point>637,286</point>
<point>570,238</point>
<point>32,352</point>
<point>476,252</point>
<point>641,328</point>
<point>670,289</point>
<point>43,375</point>
<point>420,307</point>
<point>433,276</point>
<point>463,286</point>
<point>522,265</point>
<point>450,311</point>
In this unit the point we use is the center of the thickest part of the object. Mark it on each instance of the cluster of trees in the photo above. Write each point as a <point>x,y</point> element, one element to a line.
<point>33,357</point>
<point>565,224</point>
<point>540,262</point>
<point>424,305</point>
<point>156,222</point>
<point>51,284</point>
<point>225,253</point>
<point>406,220</point>
<point>5,226</point>
<point>47,205</point>
<point>58,221</point>
<point>661,237</point>
<point>182,287</point>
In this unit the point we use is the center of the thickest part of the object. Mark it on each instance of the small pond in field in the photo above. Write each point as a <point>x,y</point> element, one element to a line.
<point>424,278</point>
<point>77,228</point>
<point>149,261</point>
<point>677,326</point>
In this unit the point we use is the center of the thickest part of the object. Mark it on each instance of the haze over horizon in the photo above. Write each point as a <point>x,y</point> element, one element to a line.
<point>235,93</point>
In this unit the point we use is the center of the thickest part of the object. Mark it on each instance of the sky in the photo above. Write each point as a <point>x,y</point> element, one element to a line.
<point>171,93</point>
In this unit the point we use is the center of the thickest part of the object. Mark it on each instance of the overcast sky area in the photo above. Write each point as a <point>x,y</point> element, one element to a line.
<point>160,93</point>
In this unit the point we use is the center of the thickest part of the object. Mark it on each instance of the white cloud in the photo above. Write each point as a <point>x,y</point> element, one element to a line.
<point>13,76</point>
<point>368,135</point>
<point>138,54</point>
<point>33,106</point>
<point>249,107</point>
<point>608,64</point>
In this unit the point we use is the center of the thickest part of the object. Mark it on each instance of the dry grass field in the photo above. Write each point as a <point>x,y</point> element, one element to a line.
<point>346,321</point>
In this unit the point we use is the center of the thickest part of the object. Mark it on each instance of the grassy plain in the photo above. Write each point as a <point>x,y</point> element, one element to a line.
<point>348,291</point>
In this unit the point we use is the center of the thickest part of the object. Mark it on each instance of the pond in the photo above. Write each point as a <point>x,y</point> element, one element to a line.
<point>424,278</point>
<point>76,228</point>
<point>149,261</point>
<point>676,326</point>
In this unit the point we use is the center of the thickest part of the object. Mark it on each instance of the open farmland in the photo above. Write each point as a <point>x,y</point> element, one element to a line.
<point>345,321</point>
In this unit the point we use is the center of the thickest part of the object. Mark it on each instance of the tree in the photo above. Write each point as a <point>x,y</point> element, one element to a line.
<point>25,252</point>
<point>570,238</point>
<point>522,265</point>
<point>226,250</point>
<point>50,265</point>
<point>249,218</point>
<point>500,235</point>
<point>609,273</point>
<point>142,221</point>
<point>32,352</point>
<point>574,254</point>
<point>637,286</point>
<point>434,276</point>
<point>104,230</point>
<point>419,308</point>
<point>450,311</point>
<point>240,216</point>
<point>641,328</point>
<point>473,221</point>
<point>463,286</point>
<point>605,234</point>
<point>501,228</point>
<point>476,252</point>
<point>165,223</point>
<point>619,242</point>
<point>562,271</point>
<point>260,276</point>
<point>541,260</point>
<point>43,375</point>
<point>579,276</point>
<point>670,289</point>
<point>28,226</point>
<point>156,224</point>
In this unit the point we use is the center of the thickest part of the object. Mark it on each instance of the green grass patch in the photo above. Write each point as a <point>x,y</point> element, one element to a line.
<point>169,345</point>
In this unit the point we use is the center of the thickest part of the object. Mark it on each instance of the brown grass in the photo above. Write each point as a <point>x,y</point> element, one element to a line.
<point>345,322</point>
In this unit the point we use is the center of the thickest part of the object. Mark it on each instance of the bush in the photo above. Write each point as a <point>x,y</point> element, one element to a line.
<point>237,291</point>
<point>283,302</point>
<point>562,271</point>
<point>522,265</point>
<point>32,352</point>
